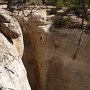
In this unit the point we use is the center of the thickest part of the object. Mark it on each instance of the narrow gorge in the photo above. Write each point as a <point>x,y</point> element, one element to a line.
<point>45,51</point>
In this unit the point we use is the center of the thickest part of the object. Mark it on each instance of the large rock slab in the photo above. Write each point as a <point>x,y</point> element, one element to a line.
<point>12,30</point>
<point>12,71</point>
<point>13,75</point>
<point>50,56</point>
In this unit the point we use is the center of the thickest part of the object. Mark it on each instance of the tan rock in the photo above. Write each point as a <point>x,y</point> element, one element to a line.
<point>48,59</point>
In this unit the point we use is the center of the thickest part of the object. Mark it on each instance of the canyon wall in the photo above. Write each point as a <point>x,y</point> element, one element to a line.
<point>48,57</point>
<point>13,75</point>
<point>47,54</point>
<point>33,36</point>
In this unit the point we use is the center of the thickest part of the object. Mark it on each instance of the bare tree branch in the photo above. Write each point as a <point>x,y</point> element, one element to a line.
<point>78,48</point>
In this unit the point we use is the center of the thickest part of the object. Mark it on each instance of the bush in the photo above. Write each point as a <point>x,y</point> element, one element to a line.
<point>34,2</point>
<point>53,11</point>
<point>88,25</point>
<point>60,22</point>
<point>1,88</point>
<point>2,1</point>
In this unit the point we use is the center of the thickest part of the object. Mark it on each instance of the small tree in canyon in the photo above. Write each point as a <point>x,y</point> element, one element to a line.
<point>11,4</point>
<point>80,8</point>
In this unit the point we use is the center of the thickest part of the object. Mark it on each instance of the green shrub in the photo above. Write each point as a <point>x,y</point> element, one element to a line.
<point>62,22</point>
<point>2,1</point>
<point>88,24</point>
<point>34,2</point>
<point>1,88</point>
<point>53,11</point>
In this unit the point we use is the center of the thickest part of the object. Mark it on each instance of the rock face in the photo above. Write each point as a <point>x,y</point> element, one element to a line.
<point>12,30</point>
<point>68,74</point>
<point>48,59</point>
<point>32,37</point>
<point>12,72</point>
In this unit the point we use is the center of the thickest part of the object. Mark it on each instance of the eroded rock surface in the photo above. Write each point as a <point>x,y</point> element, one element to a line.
<point>32,35</point>
<point>12,30</point>
<point>49,58</point>
<point>68,74</point>
<point>13,75</point>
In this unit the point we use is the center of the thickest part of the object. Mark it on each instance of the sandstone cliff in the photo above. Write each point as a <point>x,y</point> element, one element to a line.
<point>13,75</point>
<point>48,58</point>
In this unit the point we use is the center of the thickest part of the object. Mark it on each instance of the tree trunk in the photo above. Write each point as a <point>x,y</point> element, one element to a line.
<point>80,40</point>
<point>43,2</point>
<point>10,4</point>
